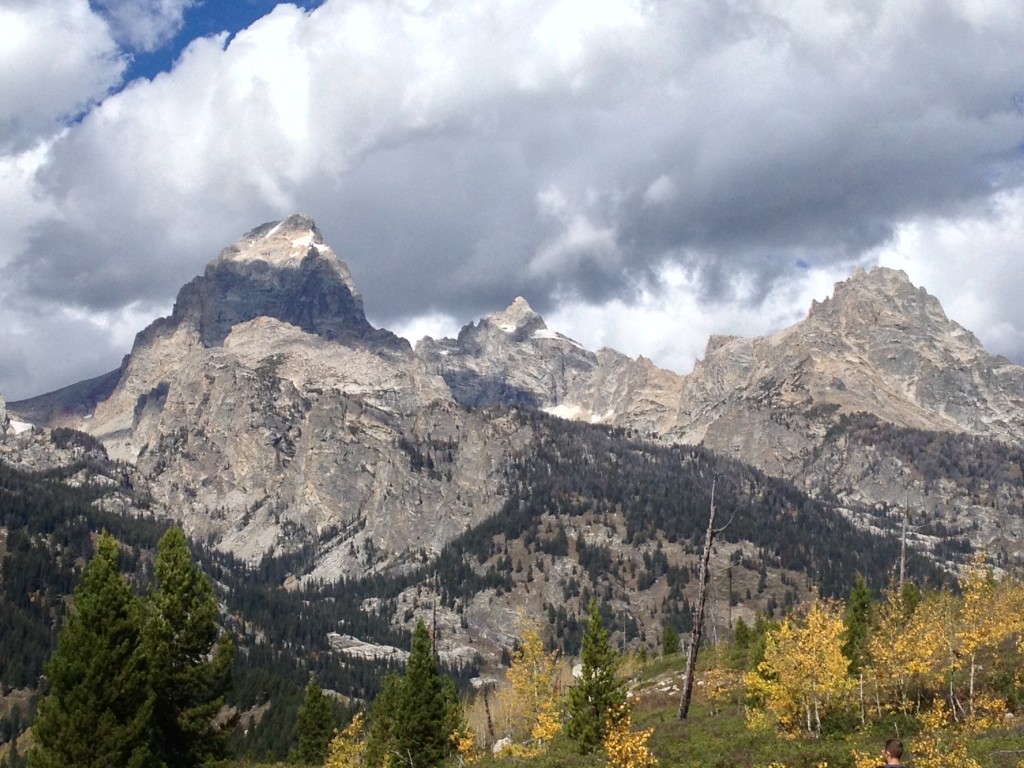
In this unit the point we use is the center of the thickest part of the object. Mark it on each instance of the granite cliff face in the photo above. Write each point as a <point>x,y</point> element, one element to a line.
<point>268,414</point>
<point>509,358</point>
<point>512,358</point>
<point>878,345</point>
<point>281,270</point>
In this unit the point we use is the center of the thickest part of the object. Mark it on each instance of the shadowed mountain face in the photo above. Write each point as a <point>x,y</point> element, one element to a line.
<point>282,271</point>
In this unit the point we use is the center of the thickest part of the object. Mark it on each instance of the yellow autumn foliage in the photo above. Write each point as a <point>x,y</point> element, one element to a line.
<point>803,674</point>
<point>532,703</point>
<point>624,746</point>
<point>940,744</point>
<point>864,759</point>
<point>347,747</point>
<point>466,748</point>
<point>910,650</point>
<point>989,616</point>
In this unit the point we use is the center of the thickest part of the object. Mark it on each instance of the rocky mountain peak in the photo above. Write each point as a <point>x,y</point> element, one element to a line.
<point>282,243</point>
<point>517,318</point>
<point>881,297</point>
<point>3,414</point>
<point>281,270</point>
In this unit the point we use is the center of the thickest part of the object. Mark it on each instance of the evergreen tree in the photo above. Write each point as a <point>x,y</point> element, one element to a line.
<point>426,712</point>
<point>669,640</point>
<point>858,619</point>
<point>190,669</point>
<point>742,639</point>
<point>599,694</point>
<point>380,742</point>
<point>99,707</point>
<point>316,726</point>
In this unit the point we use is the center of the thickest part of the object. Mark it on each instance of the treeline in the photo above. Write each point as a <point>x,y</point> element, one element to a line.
<point>570,470</point>
<point>50,525</point>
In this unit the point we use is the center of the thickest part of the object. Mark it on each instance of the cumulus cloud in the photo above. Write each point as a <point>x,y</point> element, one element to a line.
<point>146,25</point>
<point>583,154</point>
<point>58,59</point>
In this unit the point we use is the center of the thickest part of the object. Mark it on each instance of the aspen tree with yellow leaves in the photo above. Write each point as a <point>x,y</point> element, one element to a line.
<point>940,744</point>
<point>910,649</point>
<point>348,746</point>
<point>531,702</point>
<point>988,618</point>
<point>624,746</point>
<point>804,674</point>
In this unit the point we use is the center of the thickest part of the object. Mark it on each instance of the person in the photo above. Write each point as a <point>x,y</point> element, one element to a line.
<point>894,753</point>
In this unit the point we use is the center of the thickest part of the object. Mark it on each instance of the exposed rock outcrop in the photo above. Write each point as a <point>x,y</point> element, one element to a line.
<point>281,270</point>
<point>508,357</point>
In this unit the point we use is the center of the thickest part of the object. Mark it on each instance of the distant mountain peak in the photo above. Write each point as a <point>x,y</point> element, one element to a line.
<point>518,316</point>
<point>878,289</point>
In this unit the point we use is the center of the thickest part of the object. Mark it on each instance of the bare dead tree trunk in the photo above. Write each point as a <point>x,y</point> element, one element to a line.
<point>698,619</point>
<point>903,544</point>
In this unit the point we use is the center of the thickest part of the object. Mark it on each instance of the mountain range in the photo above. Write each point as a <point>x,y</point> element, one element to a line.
<point>270,419</point>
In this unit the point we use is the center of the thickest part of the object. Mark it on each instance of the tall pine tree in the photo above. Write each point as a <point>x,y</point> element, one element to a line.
<point>190,669</point>
<point>599,694</point>
<point>380,741</point>
<point>99,707</point>
<point>316,726</point>
<point>426,714</point>
<point>858,619</point>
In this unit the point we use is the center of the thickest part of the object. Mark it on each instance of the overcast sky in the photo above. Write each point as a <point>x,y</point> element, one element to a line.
<point>645,173</point>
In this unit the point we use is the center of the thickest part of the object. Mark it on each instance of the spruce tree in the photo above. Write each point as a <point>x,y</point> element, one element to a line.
<point>858,619</point>
<point>425,715</point>
<point>669,640</point>
<point>315,725</point>
<point>190,669</point>
<point>380,741</point>
<point>99,708</point>
<point>599,693</point>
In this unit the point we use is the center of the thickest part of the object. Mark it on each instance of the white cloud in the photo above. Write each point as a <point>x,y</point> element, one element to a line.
<point>146,24</point>
<point>670,323</point>
<point>588,153</point>
<point>58,58</point>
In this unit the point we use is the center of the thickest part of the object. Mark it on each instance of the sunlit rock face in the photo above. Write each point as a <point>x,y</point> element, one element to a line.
<point>267,413</point>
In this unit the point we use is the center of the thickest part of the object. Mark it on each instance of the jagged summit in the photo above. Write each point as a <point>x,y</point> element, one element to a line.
<point>887,295</point>
<point>518,317</point>
<point>266,407</point>
<point>281,270</point>
<point>282,243</point>
<point>508,357</point>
